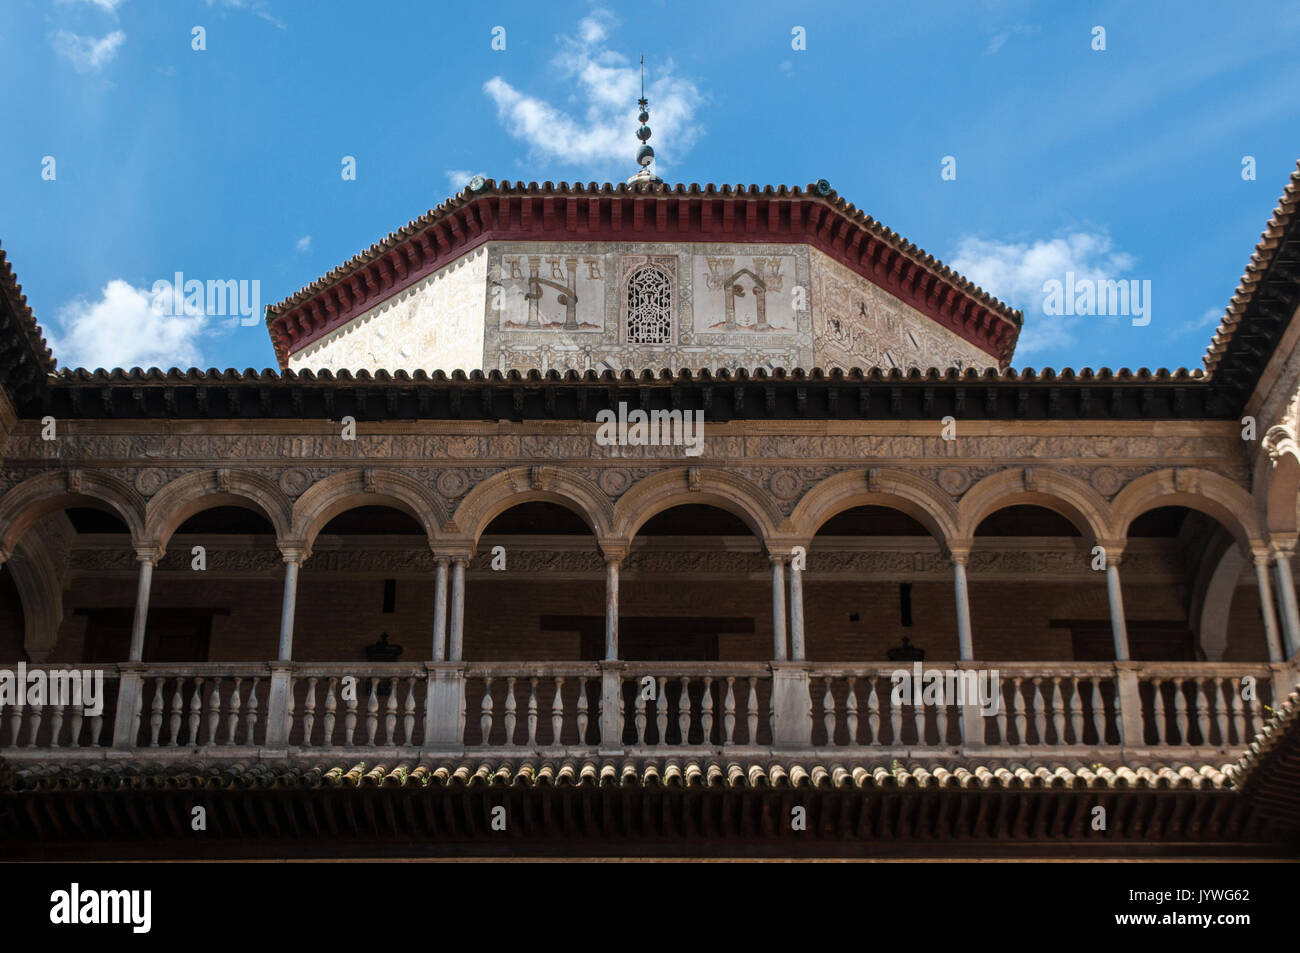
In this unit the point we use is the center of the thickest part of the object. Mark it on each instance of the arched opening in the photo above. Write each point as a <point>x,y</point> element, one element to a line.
<point>1189,591</point>
<point>875,577</point>
<point>536,587</point>
<point>367,583</point>
<point>695,594</point>
<point>876,583</point>
<point>535,590</point>
<point>1033,591</point>
<point>695,588</point>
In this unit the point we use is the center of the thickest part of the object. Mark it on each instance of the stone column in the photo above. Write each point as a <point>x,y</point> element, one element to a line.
<point>457,649</point>
<point>440,610</point>
<point>1267,609</point>
<point>611,607</point>
<point>797,652</point>
<point>147,557</point>
<point>778,608</point>
<point>292,563</point>
<point>965,641</point>
<point>1115,594</point>
<point>1286,599</point>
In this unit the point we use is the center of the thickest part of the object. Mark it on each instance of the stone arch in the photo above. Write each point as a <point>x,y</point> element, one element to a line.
<point>1051,489</point>
<point>195,492</point>
<point>727,491</point>
<point>896,489</point>
<point>1281,480</point>
<point>505,490</point>
<point>46,493</point>
<point>1196,489</point>
<point>340,492</point>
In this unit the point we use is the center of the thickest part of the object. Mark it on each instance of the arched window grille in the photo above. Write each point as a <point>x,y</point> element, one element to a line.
<point>649,307</point>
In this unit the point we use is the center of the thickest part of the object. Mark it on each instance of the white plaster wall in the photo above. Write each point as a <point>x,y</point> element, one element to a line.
<point>436,324</point>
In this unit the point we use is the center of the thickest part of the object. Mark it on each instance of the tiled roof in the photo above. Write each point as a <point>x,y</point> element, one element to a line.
<point>1272,239</point>
<point>721,394</point>
<point>1269,772</point>
<point>493,188</point>
<point>686,772</point>
<point>251,375</point>
<point>22,367</point>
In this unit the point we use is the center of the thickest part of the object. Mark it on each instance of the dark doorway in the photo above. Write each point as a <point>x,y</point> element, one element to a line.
<point>171,635</point>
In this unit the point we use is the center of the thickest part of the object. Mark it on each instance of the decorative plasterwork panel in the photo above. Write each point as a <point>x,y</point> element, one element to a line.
<point>857,324</point>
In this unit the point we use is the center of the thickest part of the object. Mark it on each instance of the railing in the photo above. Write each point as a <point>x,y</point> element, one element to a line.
<point>54,723</point>
<point>595,708</point>
<point>703,704</point>
<point>554,704</point>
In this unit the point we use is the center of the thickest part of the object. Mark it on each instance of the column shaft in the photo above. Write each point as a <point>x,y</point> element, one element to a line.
<point>1118,627</point>
<point>796,614</point>
<point>778,609</point>
<point>289,606</point>
<point>440,612</point>
<point>143,586</point>
<point>1286,599</point>
<point>457,609</point>
<point>611,609</point>
<point>965,641</point>
<point>1267,609</point>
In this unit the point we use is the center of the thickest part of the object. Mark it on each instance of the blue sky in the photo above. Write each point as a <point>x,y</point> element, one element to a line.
<point>225,163</point>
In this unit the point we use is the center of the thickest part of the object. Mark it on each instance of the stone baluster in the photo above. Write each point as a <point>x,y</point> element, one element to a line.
<point>510,710</point>
<point>661,711</point>
<point>390,713</point>
<point>751,713</point>
<point>331,713</point>
<point>851,711</point>
<point>486,710</point>
<point>408,719</point>
<point>639,718</point>
<point>1158,709</point>
<point>828,711</point>
<point>582,710</point>
<point>557,711</point>
<point>729,712</point>
<point>1180,709</point>
<point>309,713</point>
<point>1058,711</point>
<point>532,712</point>
<point>1076,710</point>
<point>232,715</point>
<point>1202,701</point>
<point>214,712</point>
<point>156,712</point>
<point>873,711</point>
<point>706,711</point>
<point>372,712</point>
<point>1099,718</point>
<point>684,711</point>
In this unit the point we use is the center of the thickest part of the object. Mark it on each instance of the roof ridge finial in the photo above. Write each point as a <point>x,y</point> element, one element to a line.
<point>645,156</point>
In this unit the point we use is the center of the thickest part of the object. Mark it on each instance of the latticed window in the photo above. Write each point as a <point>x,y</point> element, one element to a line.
<point>649,307</point>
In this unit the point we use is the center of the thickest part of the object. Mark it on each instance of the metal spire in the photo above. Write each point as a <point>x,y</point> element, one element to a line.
<point>645,156</point>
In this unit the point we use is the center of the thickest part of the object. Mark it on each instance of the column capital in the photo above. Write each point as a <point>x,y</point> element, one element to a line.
<point>614,559</point>
<point>1261,557</point>
<point>616,549</point>
<point>149,552</point>
<point>957,551</point>
<point>776,559</point>
<point>294,552</point>
<point>1282,546</point>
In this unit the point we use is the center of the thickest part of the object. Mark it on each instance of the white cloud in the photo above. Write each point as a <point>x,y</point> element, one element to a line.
<point>457,179</point>
<point>257,7</point>
<point>1015,273</point>
<point>125,329</point>
<point>304,243</point>
<point>608,86</point>
<point>108,6</point>
<point>86,53</point>
<point>1205,324</point>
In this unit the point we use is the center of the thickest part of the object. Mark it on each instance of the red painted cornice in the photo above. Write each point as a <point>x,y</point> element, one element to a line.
<point>643,213</point>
